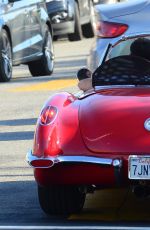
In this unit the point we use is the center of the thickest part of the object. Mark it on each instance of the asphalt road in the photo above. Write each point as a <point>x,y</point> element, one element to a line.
<point>20,103</point>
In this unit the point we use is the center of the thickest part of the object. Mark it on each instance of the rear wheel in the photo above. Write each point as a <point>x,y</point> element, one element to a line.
<point>60,199</point>
<point>5,57</point>
<point>45,65</point>
<point>89,28</point>
<point>77,35</point>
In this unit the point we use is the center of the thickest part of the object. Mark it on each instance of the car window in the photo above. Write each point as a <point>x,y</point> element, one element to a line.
<point>122,48</point>
<point>128,63</point>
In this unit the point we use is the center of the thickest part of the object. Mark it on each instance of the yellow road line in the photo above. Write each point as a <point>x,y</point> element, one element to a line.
<point>50,85</point>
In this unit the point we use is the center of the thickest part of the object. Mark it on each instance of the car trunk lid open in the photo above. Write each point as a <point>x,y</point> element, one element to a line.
<point>113,120</point>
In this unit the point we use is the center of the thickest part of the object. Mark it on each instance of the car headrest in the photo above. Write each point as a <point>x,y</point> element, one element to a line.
<point>123,70</point>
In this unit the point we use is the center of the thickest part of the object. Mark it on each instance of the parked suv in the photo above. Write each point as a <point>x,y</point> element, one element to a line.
<point>25,37</point>
<point>73,17</point>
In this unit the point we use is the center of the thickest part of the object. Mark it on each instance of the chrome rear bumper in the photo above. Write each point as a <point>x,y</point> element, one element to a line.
<point>73,159</point>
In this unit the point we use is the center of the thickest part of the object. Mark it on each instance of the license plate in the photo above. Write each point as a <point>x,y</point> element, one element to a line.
<point>139,167</point>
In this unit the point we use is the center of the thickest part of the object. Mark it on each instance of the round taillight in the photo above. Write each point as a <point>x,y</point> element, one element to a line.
<point>48,115</point>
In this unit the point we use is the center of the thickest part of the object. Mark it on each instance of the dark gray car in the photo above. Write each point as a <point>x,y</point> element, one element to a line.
<point>25,37</point>
<point>72,18</point>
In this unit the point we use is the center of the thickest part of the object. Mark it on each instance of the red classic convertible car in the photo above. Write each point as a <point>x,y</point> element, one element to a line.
<point>98,139</point>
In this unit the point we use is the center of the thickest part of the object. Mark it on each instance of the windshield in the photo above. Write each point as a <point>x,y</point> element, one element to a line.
<point>128,63</point>
<point>124,47</point>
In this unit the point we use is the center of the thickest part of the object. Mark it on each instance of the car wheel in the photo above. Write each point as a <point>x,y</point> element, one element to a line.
<point>77,35</point>
<point>89,28</point>
<point>61,200</point>
<point>45,65</point>
<point>5,57</point>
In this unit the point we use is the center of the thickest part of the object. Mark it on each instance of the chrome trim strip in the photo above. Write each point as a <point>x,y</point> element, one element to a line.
<point>127,36</point>
<point>85,159</point>
<point>120,87</point>
<point>71,159</point>
<point>113,87</point>
<point>27,43</point>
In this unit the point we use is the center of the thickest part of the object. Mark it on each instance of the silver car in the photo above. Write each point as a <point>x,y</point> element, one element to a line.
<point>115,22</point>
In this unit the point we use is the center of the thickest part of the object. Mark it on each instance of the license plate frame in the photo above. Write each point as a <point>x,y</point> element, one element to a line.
<point>139,167</point>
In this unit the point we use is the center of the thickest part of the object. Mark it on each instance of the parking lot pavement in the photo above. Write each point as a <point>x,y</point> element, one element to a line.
<point>20,104</point>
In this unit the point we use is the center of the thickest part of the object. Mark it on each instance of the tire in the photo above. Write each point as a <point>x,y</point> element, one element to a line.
<point>77,35</point>
<point>45,65</point>
<point>5,57</point>
<point>61,200</point>
<point>89,28</point>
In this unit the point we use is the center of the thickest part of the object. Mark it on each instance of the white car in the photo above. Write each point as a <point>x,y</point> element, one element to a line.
<point>117,21</point>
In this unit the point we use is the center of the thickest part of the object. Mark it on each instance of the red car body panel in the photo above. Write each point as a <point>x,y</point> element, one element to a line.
<point>63,135</point>
<point>113,121</point>
<point>80,174</point>
<point>108,123</point>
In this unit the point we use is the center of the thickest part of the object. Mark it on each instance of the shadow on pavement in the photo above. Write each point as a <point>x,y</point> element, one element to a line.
<point>18,122</point>
<point>10,135</point>
<point>115,205</point>
<point>15,136</point>
<point>20,206</point>
<point>19,203</point>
